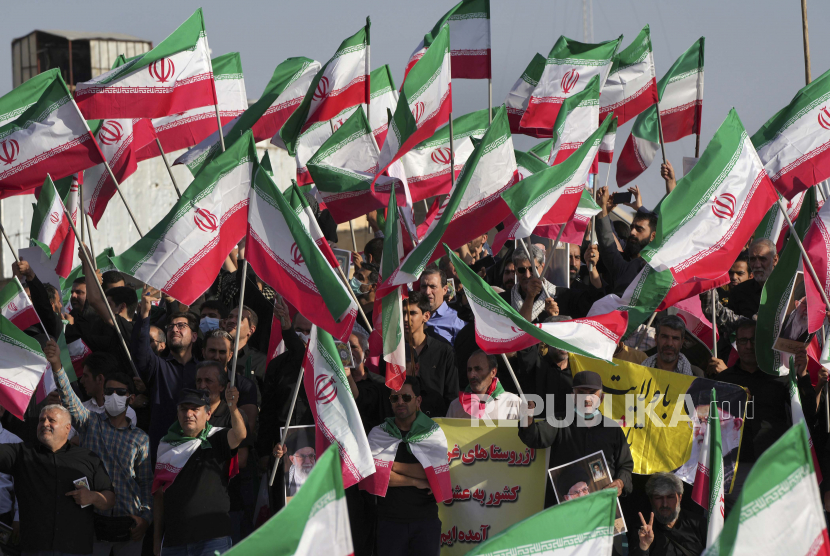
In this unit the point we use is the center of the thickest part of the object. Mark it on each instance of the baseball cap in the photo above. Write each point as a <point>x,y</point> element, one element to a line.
<point>587,379</point>
<point>196,397</point>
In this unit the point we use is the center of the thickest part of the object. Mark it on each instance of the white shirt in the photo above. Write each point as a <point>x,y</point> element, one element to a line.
<point>7,500</point>
<point>506,406</point>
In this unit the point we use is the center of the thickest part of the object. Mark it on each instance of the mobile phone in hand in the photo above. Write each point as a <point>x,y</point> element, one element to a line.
<point>623,197</point>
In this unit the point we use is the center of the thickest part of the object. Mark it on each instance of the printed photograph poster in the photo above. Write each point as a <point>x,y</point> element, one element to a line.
<point>793,334</point>
<point>300,458</point>
<point>497,481</point>
<point>582,477</point>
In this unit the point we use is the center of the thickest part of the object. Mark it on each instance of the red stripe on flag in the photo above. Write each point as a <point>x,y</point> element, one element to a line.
<point>356,92</point>
<point>135,102</point>
<point>633,105</point>
<point>272,121</point>
<point>681,122</point>
<point>629,165</point>
<point>76,155</point>
<point>471,66</point>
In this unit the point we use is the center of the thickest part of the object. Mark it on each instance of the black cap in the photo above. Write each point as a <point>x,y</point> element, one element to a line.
<point>196,397</point>
<point>587,379</point>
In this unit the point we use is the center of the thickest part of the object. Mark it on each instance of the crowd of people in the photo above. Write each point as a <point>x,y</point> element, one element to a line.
<point>169,459</point>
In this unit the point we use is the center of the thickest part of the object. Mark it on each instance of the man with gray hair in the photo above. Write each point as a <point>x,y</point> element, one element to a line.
<point>671,333</point>
<point>675,533</point>
<point>532,297</point>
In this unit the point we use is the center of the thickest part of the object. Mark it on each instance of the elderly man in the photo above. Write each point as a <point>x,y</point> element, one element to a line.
<point>302,457</point>
<point>527,295</point>
<point>675,533</point>
<point>484,397</point>
<point>194,467</point>
<point>58,485</point>
<point>443,320</point>
<point>671,333</point>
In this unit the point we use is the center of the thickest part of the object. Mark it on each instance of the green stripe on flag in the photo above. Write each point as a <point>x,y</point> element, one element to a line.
<point>468,125</point>
<point>634,53</point>
<point>227,66</point>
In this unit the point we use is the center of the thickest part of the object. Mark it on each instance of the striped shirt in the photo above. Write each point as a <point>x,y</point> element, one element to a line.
<point>125,453</point>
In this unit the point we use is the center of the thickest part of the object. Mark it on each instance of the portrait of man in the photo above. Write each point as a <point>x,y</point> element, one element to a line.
<point>300,458</point>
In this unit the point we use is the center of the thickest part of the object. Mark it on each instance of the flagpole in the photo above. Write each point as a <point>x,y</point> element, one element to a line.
<point>513,376</point>
<point>645,331</point>
<point>169,170</point>
<point>368,71</point>
<point>216,105</point>
<point>86,257</point>
<point>806,35</point>
<point>490,98</point>
<point>112,176</point>
<point>83,218</point>
<point>807,261</point>
<point>232,370</point>
<point>288,421</point>
<point>593,179</point>
<point>714,329</point>
<point>660,130</point>
<point>11,248</point>
<point>533,263</point>
<point>354,297</point>
<point>555,245</point>
<point>452,140</point>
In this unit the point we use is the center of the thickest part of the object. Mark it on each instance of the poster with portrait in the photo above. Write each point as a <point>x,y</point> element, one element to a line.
<point>582,477</point>
<point>793,335</point>
<point>344,351</point>
<point>300,457</point>
<point>343,257</point>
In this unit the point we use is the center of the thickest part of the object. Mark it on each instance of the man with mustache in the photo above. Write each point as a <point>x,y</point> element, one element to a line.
<point>671,332</point>
<point>485,396</point>
<point>675,532</point>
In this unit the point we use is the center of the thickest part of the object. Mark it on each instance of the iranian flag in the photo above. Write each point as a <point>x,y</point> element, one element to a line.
<point>49,221</point>
<point>473,206</point>
<point>797,413</point>
<point>333,407</point>
<point>282,95</point>
<point>188,128</point>
<point>576,121</point>
<point>343,169</point>
<point>569,67</point>
<point>22,364</point>
<point>691,314</point>
<point>384,100</point>
<point>103,263</point>
<point>584,525</point>
<point>68,190</point>
<point>794,145</point>
<point>779,510</point>
<point>639,300</point>
<point>574,231</point>
<point>774,226</point>
<point>42,132</point>
<point>606,148</point>
<point>173,77</point>
<point>183,253</point>
<point>707,221</point>
<point>427,165</point>
<point>501,329</point>
<point>315,522</point>
<point>342,82</point>
<point>681,104</point>
<point>708,488</point>
<point>469,23</point>
<point>424,104</point>
<point>631,86</point>
<point>391,304</point>
<point>284,249</point>
<point>817,244</point>
<point>15,305</point>
<point>119,140</point>
<point>519,96</point>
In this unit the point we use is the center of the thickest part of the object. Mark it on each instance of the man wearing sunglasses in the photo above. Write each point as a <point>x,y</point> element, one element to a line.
<point>124,450</point>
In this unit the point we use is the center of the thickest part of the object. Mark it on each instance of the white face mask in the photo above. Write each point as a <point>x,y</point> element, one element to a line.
<point>207,324</point>
<point>115,404</point>
<point>303,338</point>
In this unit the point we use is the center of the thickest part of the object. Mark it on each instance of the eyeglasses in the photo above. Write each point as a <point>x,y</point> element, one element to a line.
<point>745,341</point>
<point>405,397</point>
<point>118,391</point>
<point>176,325</point>
<point>523,270</point>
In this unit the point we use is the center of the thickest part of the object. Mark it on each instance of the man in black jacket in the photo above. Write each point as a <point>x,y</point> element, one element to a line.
<point>675,532</point>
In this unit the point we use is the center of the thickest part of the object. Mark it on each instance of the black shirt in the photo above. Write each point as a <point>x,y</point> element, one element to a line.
<point>745,298</point>
<point>621,272</point>
<point>438,374</point>
<point>407,504</point>
<point>689,531</point>
<point>370,399</point>
<point>196,505</point>
<point>50,520</point>
<point>222,418</point>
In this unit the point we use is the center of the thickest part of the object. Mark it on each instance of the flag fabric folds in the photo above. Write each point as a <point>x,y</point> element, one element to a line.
<point>519,96</point>
<point>22,364</point>
<point>817,245</point>
<point>49,221</point>
<point>577,119</point>
<point>391,305</point>
<point>16,307</point>
<point>631,86</point>
<point>708,489</point>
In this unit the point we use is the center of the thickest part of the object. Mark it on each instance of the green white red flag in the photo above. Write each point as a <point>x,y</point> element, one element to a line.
<point>394,351</point>
<point>341,83</point>
<point>501,329</point>
<point>22,364</point>
<point>332,404</point>
<point>188,128</point>
<point>606,148</point>
<point>707,222</point>
<point>469,23</point>
<point>794,145</point>
<point>42,132</point>
<point>774,226</point>
<point>182,254</point>
<point>569,67</point>
<point>68,190</point>
<point>817,245</point>
<point>779,510</point>
<point>283,247</point>
<point>315,522</point>
<point>631,86</point>
<point>519,96</point>
<point>473,206</point>
<point>584,525</point>
<point>15,305</point>
<point>577,119</point>
<point>574,231</point>
<point>173,77</point>
<point>282,95</point>
<point>681,105</point>
<point>49,221</point>
<point>708,488</point>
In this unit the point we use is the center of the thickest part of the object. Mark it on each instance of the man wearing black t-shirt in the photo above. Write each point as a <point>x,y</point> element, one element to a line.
<point>192,506</point>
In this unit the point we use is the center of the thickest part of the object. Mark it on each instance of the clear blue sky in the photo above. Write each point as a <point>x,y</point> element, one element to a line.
<point>754,56</point>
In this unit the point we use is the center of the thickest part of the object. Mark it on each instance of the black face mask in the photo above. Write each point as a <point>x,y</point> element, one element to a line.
<point>633,248</point>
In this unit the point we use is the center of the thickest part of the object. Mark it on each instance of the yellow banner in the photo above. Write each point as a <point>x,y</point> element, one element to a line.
<point>650,405</point>
<point>497,481</point>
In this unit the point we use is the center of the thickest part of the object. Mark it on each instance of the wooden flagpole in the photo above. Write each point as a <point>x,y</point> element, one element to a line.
<point>170,170</point>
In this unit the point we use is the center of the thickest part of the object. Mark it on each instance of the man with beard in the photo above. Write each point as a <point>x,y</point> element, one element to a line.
<point>364,284</point>
<point>675,533</point>
<point>485,397</point>
<point>302,458</point>
<point>623,267</point>
<point>738,274</point>
<point>532,297</point>
<point>508,275</point>
<point>671,332</point>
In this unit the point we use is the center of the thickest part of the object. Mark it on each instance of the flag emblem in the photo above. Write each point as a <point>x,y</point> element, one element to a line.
<point>205,220</point>
<point>441,155</point>
<point>824,118</point>
<point>322,88</point>
<point>325,390</point>
<point>10,150</point>
<point>724,206</point>
<point>162,70</point>
<point>569,80</point>
<point>13,307</point>
<point>111,132</point>
<point>54,217</point>
<point>419,111</point>
<point>296,256</point>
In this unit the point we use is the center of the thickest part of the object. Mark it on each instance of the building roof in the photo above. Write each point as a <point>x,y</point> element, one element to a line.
<point>83,35</point>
